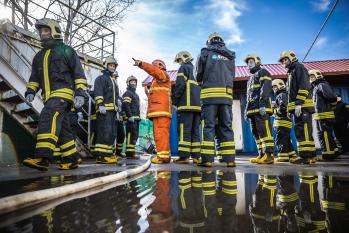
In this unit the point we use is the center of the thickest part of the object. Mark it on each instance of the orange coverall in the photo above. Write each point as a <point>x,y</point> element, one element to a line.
<point>159,108</point>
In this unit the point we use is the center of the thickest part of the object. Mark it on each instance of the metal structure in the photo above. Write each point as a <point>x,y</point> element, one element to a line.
<point>98,44</point>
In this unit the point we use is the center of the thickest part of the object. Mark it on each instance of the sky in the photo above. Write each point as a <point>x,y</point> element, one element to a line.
<point>162,28</point>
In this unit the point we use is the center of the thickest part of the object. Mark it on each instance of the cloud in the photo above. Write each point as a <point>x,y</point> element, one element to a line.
<point>225,16</point>
<point>321,5</point>
<point>320,43</point>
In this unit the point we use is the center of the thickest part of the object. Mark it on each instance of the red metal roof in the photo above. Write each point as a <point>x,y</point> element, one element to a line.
<point>328,67</point>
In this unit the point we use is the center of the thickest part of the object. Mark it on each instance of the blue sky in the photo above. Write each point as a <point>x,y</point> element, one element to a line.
<point>162,28</point>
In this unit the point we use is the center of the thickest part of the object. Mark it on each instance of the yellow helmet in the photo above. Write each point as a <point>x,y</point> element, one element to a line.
<point>214,36</point>
<point>110,60</point>
<point>289,54</point>
<point>316,73</point>
<point>185,56</point>
<point>279,83</point>
<point>253,56</point>
<point>56,30</point>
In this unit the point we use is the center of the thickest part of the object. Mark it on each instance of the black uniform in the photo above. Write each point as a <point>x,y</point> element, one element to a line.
<point>215,74</point>
<point>341,127</point>
<point>186,97</point>
<point>258,95</point>
<point>57,71</point>
<point>120,129</point>
<point>298,88</point>
<point>282,126</point>
<point>325,101</point>
<point>131,107</point>
<point>106,92</point>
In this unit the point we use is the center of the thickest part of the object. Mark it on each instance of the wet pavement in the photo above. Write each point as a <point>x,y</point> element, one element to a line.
<point>182,198</point>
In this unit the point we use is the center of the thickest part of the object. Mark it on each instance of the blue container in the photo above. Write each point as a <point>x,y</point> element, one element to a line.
<point>174,134</point>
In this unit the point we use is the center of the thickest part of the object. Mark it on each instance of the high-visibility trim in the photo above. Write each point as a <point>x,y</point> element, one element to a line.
<point>182,75</point>
<point>288,198</point>
<point>80,83</point>
<point>215,95</point>
<point>68,144</point>
<point>69,152</point>
<point>216,92</point>
<point>159,89</point>
<point>303,92</point>
<point>229,191</point>
<point>104,146</point>
<point>306,149</point>
<point>195,143</point>
<point>283,155</point>
<point>229,182</point>
<point>301,97</point>
<point>207,152</point>
<point>46,77</point>
<point>184,180</point>
<point>64,93</point>
<point>195,150</point>
<point>97,149</point>
<point>333,205</point>
<point>274,218</point>
<point>44,136</point>
<point>207,143</point>
<point>33,85</point>
<point>181,132</point>
<point>265,78</point>
<point>323,115</point>
<point>257,110</point>
<point>127,98</point>
<point>209,192</point>
<point>54,123</point>
<point>196,178</point>
<point>227,152</point>
<point>45,145</point>
<point>189,108</point>
<point>159,113</point>
<point>283,123</point>
<point>307,103</point>
<point>267,128</point>
<point>254,86</point>
<point>310,143</point>
<point>224,144</point>
<point>184,143</point>
<point>208,184</point>
<point>184,149</point>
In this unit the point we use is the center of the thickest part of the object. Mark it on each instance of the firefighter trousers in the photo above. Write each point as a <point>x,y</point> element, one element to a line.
<point>261,130</point>
<point>189,134</point>
<point>132,130</point>
<point>326,138</point>
<point>106,134</point>
<point>161,128</point>
<point>120,129</point>
<point>283,138</point>
<point>54,131</point>
<point>210,112</point>
<point>304,134</point>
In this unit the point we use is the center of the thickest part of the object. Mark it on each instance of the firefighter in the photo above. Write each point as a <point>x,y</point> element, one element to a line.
<point>131,107</point>
<point>106,92</point>
<point>215,73</point>
<point>300,105</point>
<point>57,71</point>
<point>159,107</point>
<point>325,101</point>
<point>119,125</point>
<point>186,98</point>
<point>282,124</point>
<point>258,109</point>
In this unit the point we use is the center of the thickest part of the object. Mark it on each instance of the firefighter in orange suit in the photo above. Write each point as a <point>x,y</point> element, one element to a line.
<point>159,107</point>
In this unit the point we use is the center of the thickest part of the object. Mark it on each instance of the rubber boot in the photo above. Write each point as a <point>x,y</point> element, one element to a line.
<point>40,164</point>
<point>266,159</point>
<point>255,160</point>
<point>181,160</point>
<point>158,160</point>
<point>107,159</point>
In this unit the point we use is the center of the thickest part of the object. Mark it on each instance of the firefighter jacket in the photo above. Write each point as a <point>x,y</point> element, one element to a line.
<point>130,103</point>
<point>298,88</point>
<point>57,71</point>
<point>106,92</point>
<point>187,91</point>
<point>258,91</point>
<point>159,95</point>
<point>280,110</point>
<point>215,72</point>
<point>325,100</point>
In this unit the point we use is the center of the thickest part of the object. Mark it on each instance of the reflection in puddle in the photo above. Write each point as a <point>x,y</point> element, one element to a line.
<point>207,201</point>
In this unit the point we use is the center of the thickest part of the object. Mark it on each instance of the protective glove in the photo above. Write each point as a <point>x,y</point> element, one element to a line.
<point>102,109</point>
<point>29,98</point>
<point>131,119</point>
<point>262,111</point>
<point>137,62</point>
<point>79,101</point>
<point>80,116</point>
<point>298,110</point>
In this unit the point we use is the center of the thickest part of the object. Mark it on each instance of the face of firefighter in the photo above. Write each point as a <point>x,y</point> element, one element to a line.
<point>251,64</point>
<point>275,88</point>
<point>312,78</point>
<point>111,67</point>
<point>45,34</point>
<point>133,84</point>
<point>179,61</point>
<point>286,62</point>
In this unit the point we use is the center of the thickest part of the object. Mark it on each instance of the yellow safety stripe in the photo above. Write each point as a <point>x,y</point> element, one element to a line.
<point>127,98</point>
<point>191,226</point>
<point>159,113</point>
<point>229,182</point>
<point>333,205</point>
<point>69,152</point>
<point>323,115</point>
<point>265,78</point>
<point>104,146</point>
<point>195,144</point>
<point>46,77</point>
<point>301,97</point>
<point>47,136</point>
<point>184,149</point>
<point>227,152</point>
<point>310,143</point>
<point>214,90</point>
<point>224,144</point>
<point>33,85</point>
<point>54,123</point>
<point>184,143</point>
<point>229,191</point>
<point>189,108</point>
<point>159,88</point>
<point>288,198</point>
<point>182,75</point>
<point>283,123</point>
<point>207,143</point>
<point>215,95</point>
<point>267,128</point>
<point>65,93</point>
<point>184,180</point>
<point>45,145</point>
<point>255,86</point>
<point>103,150</point>
<point>181,132</point>
<point>195,150</point>
<point>207,152</point>
<point>257,110</point>
<point>307,103</point>
<point>68,144</point>
<point>303,92</point>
